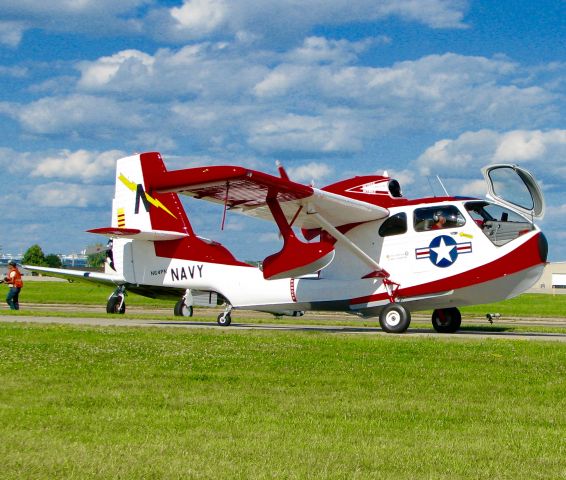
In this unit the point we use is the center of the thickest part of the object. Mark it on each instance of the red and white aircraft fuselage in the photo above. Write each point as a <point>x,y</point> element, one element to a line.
<point>367,250</point>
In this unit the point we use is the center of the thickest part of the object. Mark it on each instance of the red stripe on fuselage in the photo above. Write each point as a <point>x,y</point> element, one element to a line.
<point>522,258</point>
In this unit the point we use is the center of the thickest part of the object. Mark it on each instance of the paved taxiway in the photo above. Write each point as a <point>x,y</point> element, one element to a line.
<point>498,332</point>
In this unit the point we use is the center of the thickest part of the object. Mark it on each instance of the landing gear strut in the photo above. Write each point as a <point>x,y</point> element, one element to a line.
<point>117,301</point>
<point>446,320</point>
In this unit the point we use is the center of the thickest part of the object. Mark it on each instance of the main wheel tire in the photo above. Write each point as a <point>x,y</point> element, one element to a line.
<point>446,320</point>
<point>182,309</point>
<point>394,318</point>
<point>224,319</point>
<point>116,305</point>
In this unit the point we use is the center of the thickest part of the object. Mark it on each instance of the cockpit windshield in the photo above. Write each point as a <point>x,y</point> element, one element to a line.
<point>499,224</point>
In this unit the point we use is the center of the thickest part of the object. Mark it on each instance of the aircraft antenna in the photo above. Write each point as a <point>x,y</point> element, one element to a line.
<point>442,185</point>
<point>431,187</point>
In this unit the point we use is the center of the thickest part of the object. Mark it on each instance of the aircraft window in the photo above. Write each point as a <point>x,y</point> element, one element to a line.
<point>509,186</point>
<point>498,223</point>
<point>395,225</point>
<point>438,218</point>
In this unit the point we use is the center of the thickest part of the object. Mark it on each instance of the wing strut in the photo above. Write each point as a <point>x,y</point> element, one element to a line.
<point>363,256</point>
<point>378,272</point>
<point>225,205</point>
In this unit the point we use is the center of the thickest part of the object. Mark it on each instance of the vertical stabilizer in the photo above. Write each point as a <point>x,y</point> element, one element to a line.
<point>136,206</point>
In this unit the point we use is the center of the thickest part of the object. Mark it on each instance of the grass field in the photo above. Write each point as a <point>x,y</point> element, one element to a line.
<point>79,402</point>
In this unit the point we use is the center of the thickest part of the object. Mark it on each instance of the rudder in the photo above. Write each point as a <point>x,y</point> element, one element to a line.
<point>135,205</point>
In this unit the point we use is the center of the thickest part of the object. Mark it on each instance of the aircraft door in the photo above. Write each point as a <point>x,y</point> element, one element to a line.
<point>129,271</point>
<point>514,188</point>
<point>395,245</point>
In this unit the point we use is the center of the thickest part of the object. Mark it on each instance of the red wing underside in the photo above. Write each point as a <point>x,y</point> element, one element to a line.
<point>234,186</point>
<point>277,199</point>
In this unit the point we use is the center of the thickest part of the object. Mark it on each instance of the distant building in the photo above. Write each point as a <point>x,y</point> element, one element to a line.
<point>75,260</point>
<point>552,280</point>
<point>6,257</point>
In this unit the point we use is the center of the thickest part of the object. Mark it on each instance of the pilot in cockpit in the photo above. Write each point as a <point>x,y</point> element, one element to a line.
<point>439,221</point>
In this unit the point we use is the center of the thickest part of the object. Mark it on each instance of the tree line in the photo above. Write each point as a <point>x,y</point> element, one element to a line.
<point>34,256</point>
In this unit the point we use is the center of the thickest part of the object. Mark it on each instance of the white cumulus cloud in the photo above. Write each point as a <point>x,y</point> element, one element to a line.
<point>332,132</point>
<point>60,195</point>
<point>315,171</point>
<point>81,164</point>
<point>472,150</point>
<point>286,18</point>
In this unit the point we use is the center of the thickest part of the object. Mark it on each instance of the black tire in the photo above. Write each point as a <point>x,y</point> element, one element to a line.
<point>224,319</point>
<point>394,318</point>
<point>446,320</point>
<point>183,310</point>
<point>116,305</point>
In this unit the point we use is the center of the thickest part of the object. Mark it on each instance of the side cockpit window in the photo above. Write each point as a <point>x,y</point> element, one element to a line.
<point>438,218</point>
<point>394,225</point>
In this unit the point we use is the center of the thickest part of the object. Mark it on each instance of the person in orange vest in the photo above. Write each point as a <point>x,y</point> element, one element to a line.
<point>14,279</point>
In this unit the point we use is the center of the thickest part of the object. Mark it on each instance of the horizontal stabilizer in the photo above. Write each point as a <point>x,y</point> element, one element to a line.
<point>137,234</point>
<point>96,277</point>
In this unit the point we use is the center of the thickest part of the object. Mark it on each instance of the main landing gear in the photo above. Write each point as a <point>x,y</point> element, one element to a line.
<point>446,320</point>
<point>117,301</point>
<point>394,318</point>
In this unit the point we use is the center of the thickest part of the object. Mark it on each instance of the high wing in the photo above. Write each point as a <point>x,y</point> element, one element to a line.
<point>247,191</point>
<point>79,275</point>
<point>289,204</point>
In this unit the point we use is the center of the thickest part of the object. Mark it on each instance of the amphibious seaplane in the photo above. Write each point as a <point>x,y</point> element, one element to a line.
<point>363,248</point>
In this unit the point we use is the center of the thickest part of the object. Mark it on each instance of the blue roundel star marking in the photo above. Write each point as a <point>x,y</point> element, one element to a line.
<point>443,251</point>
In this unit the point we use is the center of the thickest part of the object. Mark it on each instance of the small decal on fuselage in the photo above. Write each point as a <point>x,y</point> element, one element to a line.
<point>397,256</point>
<point>443,251</point>
<point>155,273</point>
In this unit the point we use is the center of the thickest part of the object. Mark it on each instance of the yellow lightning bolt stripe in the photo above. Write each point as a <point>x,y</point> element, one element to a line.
<point>158,204</point>
<point>133,187</point>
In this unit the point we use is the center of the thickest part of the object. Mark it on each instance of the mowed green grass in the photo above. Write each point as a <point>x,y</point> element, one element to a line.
<point>80,293</point>
<point>92,402</point>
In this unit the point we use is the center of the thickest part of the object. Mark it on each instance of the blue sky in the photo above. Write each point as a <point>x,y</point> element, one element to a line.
<point>331,88</point>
